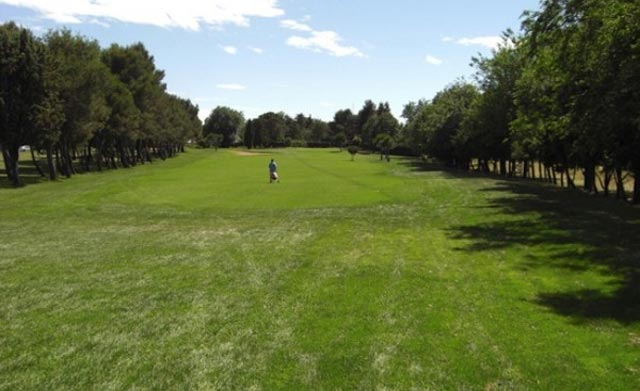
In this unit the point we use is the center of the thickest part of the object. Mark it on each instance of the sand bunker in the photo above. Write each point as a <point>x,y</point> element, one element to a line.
<point>247,153</point>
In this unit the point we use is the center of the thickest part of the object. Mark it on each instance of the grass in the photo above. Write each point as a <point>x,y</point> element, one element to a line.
<point>195,273</point>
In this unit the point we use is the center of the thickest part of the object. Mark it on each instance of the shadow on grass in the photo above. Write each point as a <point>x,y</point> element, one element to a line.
<point>566,230</point>
<point>417,165</point>
<point>29,175</point>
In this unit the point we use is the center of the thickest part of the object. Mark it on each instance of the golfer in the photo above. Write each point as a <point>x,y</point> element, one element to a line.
<point>273,171</point>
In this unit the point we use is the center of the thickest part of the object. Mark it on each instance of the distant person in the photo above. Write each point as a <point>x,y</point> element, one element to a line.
<point>273,171</point>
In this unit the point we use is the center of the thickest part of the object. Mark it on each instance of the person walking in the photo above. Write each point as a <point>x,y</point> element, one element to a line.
<point>273,171</point>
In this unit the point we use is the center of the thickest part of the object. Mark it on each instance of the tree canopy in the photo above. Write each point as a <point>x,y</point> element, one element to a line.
<point>85,107</point>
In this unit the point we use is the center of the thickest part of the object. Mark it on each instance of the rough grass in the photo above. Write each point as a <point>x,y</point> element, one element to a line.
<point>196,273</point>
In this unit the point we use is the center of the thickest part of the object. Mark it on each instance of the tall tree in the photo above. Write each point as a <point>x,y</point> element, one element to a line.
<point>226,122</point>
<point>22,65</point>
<point>77,77</point>
<point>495,109</point>
<point>439,123</point>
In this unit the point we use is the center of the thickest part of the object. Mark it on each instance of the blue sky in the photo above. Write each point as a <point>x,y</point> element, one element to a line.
<point>297,56</point>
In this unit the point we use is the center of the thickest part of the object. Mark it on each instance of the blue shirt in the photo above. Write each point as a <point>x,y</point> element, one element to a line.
<point>273,167</point>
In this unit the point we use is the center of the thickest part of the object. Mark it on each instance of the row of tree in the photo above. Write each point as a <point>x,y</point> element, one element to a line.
<point>563,96</point>
<point>372,127</point>
<point>84,107</point>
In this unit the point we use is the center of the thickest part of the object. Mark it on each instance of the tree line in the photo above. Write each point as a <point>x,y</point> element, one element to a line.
<point>373,126</point>
<point>563,96</point>
<point>84,107</point>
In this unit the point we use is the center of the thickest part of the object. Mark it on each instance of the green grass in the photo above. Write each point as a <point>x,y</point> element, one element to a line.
<point>196,273</point>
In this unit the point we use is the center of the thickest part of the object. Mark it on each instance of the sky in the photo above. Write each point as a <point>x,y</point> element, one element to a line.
<point>298,56</point>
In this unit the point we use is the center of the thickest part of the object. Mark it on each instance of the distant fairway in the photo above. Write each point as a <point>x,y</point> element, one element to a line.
<point>196,273</point>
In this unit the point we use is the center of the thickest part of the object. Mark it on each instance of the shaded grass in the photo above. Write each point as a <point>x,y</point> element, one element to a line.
<point>195,273</point>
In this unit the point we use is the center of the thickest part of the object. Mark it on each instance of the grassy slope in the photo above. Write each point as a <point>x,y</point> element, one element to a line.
<point>195,273</point>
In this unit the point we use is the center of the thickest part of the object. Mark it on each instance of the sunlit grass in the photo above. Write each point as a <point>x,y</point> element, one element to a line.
<point>196,273</point>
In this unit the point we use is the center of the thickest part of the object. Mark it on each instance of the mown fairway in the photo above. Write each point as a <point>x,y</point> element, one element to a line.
<point>195,273</point>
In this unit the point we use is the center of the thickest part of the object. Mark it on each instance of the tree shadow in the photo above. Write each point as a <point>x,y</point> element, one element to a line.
<point>29,175</point>
<point>566,230</point>
<point>418,165</point>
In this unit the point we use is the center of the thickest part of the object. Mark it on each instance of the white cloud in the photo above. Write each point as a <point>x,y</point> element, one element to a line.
<point>232,87</point>
<point>293,25</point>
<point>491,42</point>
<point>433,60</point>
<point>318,41</point>
<point>324,42</point>
<point>185,14</point>
<point>100,23</point>
<point>229,49</point>
<point>255,49</point>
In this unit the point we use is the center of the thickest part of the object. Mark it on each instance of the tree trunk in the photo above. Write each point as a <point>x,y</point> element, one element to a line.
<point>503,167</point>
<point>123,156</point>
<point>570,183</point>
<point>636,188</point>
<point>533,169</point>
<point>620,193</point>
<point>540,171</point>
<point>606,181</point>
<point>11,154</point>
<point>65,159</point>
<point>50,163</point>
<point>89,157</point>
<point>35,162</point>
<point>590,177</point>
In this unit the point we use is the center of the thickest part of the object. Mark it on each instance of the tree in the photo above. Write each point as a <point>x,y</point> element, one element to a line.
<point>49,117</point>
<point>368,110</point>
<point>319,132</point>
<point>495,109</point>
<point>339,140</point>
<point>382,122</point>
<point>226,122</point>
<point>436,127</point>
<point>581,80</point>
<point>343,122</point>
<point>412,109</point>
<point>77,76</point>
<point>213,140</point>
<point>269,129</point>
<point>22,67</point>
<point>384,143</point>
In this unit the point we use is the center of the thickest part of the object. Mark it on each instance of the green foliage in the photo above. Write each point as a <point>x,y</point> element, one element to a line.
<point>211,140</point>
<point>22,88</point>
<point>269,130</point>
<point>565,93</point>
<point>65,95</point>
<point>436,128</point>
<point>226,122</point>
<point>344,122</point>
